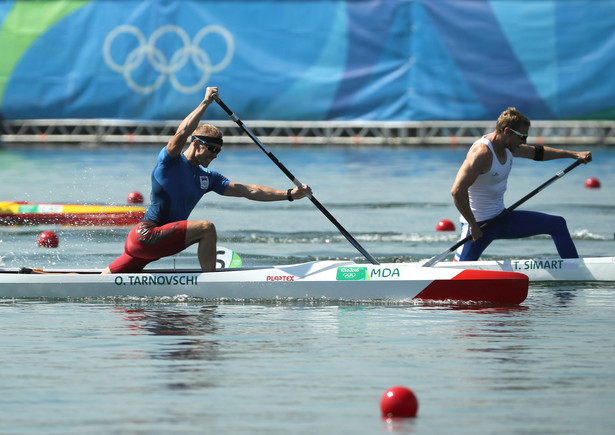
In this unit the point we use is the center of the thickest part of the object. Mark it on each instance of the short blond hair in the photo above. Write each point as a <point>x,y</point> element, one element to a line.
<point>208,130</point>
<point>512,118</point>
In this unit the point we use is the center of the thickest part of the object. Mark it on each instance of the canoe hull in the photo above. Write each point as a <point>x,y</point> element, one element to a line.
<point>553,269</point>
<point>331,280</point>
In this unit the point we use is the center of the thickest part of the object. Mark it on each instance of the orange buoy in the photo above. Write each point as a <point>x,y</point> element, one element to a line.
<point>398,402</point>
<point>445,225</point>
<point>134,198</point>
<point>48,239</point>
<point>592,183</point>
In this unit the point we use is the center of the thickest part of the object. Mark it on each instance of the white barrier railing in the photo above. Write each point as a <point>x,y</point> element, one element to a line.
<point>95,132</point>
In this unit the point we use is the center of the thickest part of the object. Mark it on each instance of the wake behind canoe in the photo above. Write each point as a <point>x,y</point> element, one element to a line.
<point>333,280</point>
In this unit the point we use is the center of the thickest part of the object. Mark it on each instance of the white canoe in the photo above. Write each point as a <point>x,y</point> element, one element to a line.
<point>334,280</point>
<point>553,269</point>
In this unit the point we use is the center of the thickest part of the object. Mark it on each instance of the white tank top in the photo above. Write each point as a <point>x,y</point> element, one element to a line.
<point>487,192</point>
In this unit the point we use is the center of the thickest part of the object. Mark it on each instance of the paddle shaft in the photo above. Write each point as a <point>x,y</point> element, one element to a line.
<point>466,239</point>
<point>297,183</point>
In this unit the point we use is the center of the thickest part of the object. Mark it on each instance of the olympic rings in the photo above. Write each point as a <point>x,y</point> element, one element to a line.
<point>147,49</point>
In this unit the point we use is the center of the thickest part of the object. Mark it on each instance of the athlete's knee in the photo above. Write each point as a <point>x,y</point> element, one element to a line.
<point>558,225</point>
<point>205,229</point>
<point>200,231</point>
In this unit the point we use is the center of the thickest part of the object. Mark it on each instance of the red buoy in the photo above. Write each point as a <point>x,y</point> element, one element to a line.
<point>445,225</point>
<point>398,402</point>
<point>48,239</point>
<point>592,183</point>
<point>134,198</point>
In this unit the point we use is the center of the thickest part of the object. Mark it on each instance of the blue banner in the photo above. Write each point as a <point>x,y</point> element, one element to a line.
<point>379,60</point>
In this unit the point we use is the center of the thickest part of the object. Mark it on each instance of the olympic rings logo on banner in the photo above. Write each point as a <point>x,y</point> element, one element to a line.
<point>167,67</point>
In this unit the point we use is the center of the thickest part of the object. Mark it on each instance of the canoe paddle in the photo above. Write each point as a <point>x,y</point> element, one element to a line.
<point>463,241</point>
<point>295,181</point>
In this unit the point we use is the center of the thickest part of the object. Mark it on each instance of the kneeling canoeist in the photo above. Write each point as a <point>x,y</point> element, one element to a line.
<point>478,190</point>
<point>179,180</point>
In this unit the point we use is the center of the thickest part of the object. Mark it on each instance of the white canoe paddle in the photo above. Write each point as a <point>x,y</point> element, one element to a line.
<point>453,248</point>
<point>297,183</point>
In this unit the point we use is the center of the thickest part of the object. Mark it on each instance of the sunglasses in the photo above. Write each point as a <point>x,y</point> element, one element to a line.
<point>521,135</point>
<point>211,148</point>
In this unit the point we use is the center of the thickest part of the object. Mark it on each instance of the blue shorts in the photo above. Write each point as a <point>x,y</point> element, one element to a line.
<point>517,225</point>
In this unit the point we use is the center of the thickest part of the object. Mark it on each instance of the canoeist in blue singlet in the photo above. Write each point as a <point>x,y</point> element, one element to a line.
<point>179,181</point>
<point>478,190</point>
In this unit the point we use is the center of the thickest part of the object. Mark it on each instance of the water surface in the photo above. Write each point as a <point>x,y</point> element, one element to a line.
<point>139,365</point>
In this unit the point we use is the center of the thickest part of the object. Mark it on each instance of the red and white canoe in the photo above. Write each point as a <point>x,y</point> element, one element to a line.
<point>26,213</point>
<point>328,280</point>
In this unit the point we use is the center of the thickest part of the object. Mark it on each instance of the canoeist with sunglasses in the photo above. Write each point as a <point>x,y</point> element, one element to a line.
<point>478,190</point>
<point>179,180</point>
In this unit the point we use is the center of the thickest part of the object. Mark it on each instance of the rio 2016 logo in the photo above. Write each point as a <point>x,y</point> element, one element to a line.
<point>147,54</point>
<point>363,274</point>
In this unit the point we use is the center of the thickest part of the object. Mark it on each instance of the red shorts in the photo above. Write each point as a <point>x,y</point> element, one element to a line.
<point>146,243</point>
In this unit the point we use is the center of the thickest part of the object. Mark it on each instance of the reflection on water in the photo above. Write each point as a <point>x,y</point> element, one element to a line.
<point>165,321</point>
<point>195,327</point>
